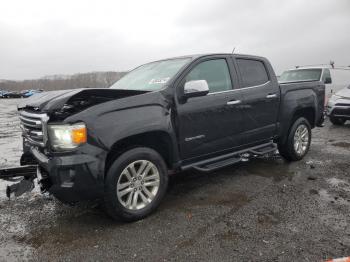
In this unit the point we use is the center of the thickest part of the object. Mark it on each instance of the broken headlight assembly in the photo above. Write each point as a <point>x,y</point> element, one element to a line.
<point>67,137</point>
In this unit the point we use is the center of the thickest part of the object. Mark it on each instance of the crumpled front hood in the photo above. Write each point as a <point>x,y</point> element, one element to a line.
<point>83,98</point>
<point>345,92</point>
<point>41,100</point>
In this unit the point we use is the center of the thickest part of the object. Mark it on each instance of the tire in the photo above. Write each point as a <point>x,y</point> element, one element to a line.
<point>337,121</point>
<point>121,177</point>
<point>288,149</point>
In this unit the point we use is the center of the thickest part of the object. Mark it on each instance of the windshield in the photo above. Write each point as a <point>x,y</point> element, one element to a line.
<point>152,76</point>
<point>301,75</point>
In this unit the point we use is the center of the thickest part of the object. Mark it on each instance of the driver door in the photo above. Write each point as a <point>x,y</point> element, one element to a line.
<point>212,123</point>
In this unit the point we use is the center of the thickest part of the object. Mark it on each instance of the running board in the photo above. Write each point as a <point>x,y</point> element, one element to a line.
<point>215,163</point>
<point>263,150</point>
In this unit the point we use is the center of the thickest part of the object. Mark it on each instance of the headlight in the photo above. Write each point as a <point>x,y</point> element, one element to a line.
<point>64,137</point>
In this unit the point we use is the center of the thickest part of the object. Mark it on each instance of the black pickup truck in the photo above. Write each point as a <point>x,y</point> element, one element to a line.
<point>199,112</point>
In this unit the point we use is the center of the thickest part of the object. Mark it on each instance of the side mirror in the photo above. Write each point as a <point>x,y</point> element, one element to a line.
<point>196,88</point>
<point>328,80</point>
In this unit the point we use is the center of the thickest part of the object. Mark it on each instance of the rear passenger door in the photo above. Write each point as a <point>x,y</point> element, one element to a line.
<point>261,97</point>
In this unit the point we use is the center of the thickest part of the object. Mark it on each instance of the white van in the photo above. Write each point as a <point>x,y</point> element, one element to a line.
<point>335,78</point>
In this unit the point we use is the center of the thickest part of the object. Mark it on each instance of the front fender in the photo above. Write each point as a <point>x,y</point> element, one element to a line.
<point>115,126</point>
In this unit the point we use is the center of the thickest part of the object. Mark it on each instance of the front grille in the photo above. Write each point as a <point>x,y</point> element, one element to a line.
<point>33,127</point>
<point>341,111</point>
<point>342,104</point>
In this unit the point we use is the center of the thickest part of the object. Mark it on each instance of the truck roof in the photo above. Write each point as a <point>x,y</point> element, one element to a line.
<point>195,56</point>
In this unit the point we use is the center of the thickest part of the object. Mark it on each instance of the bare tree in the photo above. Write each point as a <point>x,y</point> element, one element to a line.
<point>58,82</point>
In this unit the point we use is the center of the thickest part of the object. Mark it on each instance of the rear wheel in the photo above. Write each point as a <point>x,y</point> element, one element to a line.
<point>135,184</point>
<point>298,141</point>
<point>337,121</point>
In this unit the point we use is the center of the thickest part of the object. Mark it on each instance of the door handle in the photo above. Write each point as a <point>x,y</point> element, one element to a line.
<point>269,96</point>
<point>234,102</point>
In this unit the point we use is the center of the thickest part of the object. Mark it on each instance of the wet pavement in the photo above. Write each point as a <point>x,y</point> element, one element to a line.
<point>264,209</point>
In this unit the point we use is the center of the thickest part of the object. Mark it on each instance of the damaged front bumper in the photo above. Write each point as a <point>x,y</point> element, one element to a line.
<point>70,178</point>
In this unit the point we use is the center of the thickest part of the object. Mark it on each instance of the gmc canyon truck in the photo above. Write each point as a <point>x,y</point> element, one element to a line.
<point>200,112</point>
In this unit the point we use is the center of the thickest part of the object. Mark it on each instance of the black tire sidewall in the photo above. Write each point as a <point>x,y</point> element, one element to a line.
<point>113,207</point>
<point>290,142</point>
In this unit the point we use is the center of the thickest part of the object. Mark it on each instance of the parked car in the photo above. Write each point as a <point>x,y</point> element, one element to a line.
<point>28,93</point>
<point>338,108</point>
<point>12,94</point>
<point>335,78</point>
<point>3,93</point>
<point>189,113</point>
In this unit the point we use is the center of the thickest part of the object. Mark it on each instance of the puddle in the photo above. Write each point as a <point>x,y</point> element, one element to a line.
<point>268,219</point>
<point>226,239</point>
<point>211,198</point>
<point>276,169</point>
<point>313,192</point>
<point>228,236</point>
<point>342,144</point>
<point>223,199</point>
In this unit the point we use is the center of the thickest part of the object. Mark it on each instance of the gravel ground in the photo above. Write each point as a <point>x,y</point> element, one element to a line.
<point>261,210</point>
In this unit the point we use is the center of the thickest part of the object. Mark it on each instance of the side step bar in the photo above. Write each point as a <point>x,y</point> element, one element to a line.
<point>215,163</point>
<point>263,150</point>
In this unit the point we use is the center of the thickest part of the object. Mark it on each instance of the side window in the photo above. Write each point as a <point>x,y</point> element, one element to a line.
<point>253,72</point>
<point>215,72</point>
<point>326,75</point>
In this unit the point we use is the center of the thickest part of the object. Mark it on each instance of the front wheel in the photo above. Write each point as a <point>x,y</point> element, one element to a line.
<point>337,120</point>
<point>298,141</point>
<point>135,184</point>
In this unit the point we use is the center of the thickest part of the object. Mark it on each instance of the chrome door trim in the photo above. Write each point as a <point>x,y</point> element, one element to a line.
<point>234,102</point>
<point>238,89</point>
<point>271,96</point>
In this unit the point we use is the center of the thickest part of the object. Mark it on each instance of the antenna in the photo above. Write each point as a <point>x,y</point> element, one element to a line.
<point>233,50</point>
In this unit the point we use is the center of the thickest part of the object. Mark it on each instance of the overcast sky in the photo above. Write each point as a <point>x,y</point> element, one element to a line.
<point>41,37</point>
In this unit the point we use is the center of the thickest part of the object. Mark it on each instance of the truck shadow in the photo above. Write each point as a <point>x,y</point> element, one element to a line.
<point>194,189</point>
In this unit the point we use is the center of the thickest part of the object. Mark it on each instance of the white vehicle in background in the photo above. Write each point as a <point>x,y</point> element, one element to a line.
<point>338,107</point>
<point>335,78</point>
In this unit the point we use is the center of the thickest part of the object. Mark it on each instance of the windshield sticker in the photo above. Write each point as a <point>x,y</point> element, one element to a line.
<point>158,81</point>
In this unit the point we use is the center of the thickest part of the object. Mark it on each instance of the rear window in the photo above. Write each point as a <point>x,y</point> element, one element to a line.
<point>301,75</point>
<point>253,72</point>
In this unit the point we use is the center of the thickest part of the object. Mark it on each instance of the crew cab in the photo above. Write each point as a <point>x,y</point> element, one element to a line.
<point>200,112</point>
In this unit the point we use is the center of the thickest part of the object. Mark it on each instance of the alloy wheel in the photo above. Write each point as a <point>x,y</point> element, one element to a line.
<point>138,184</point>
<point>301,140</point>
